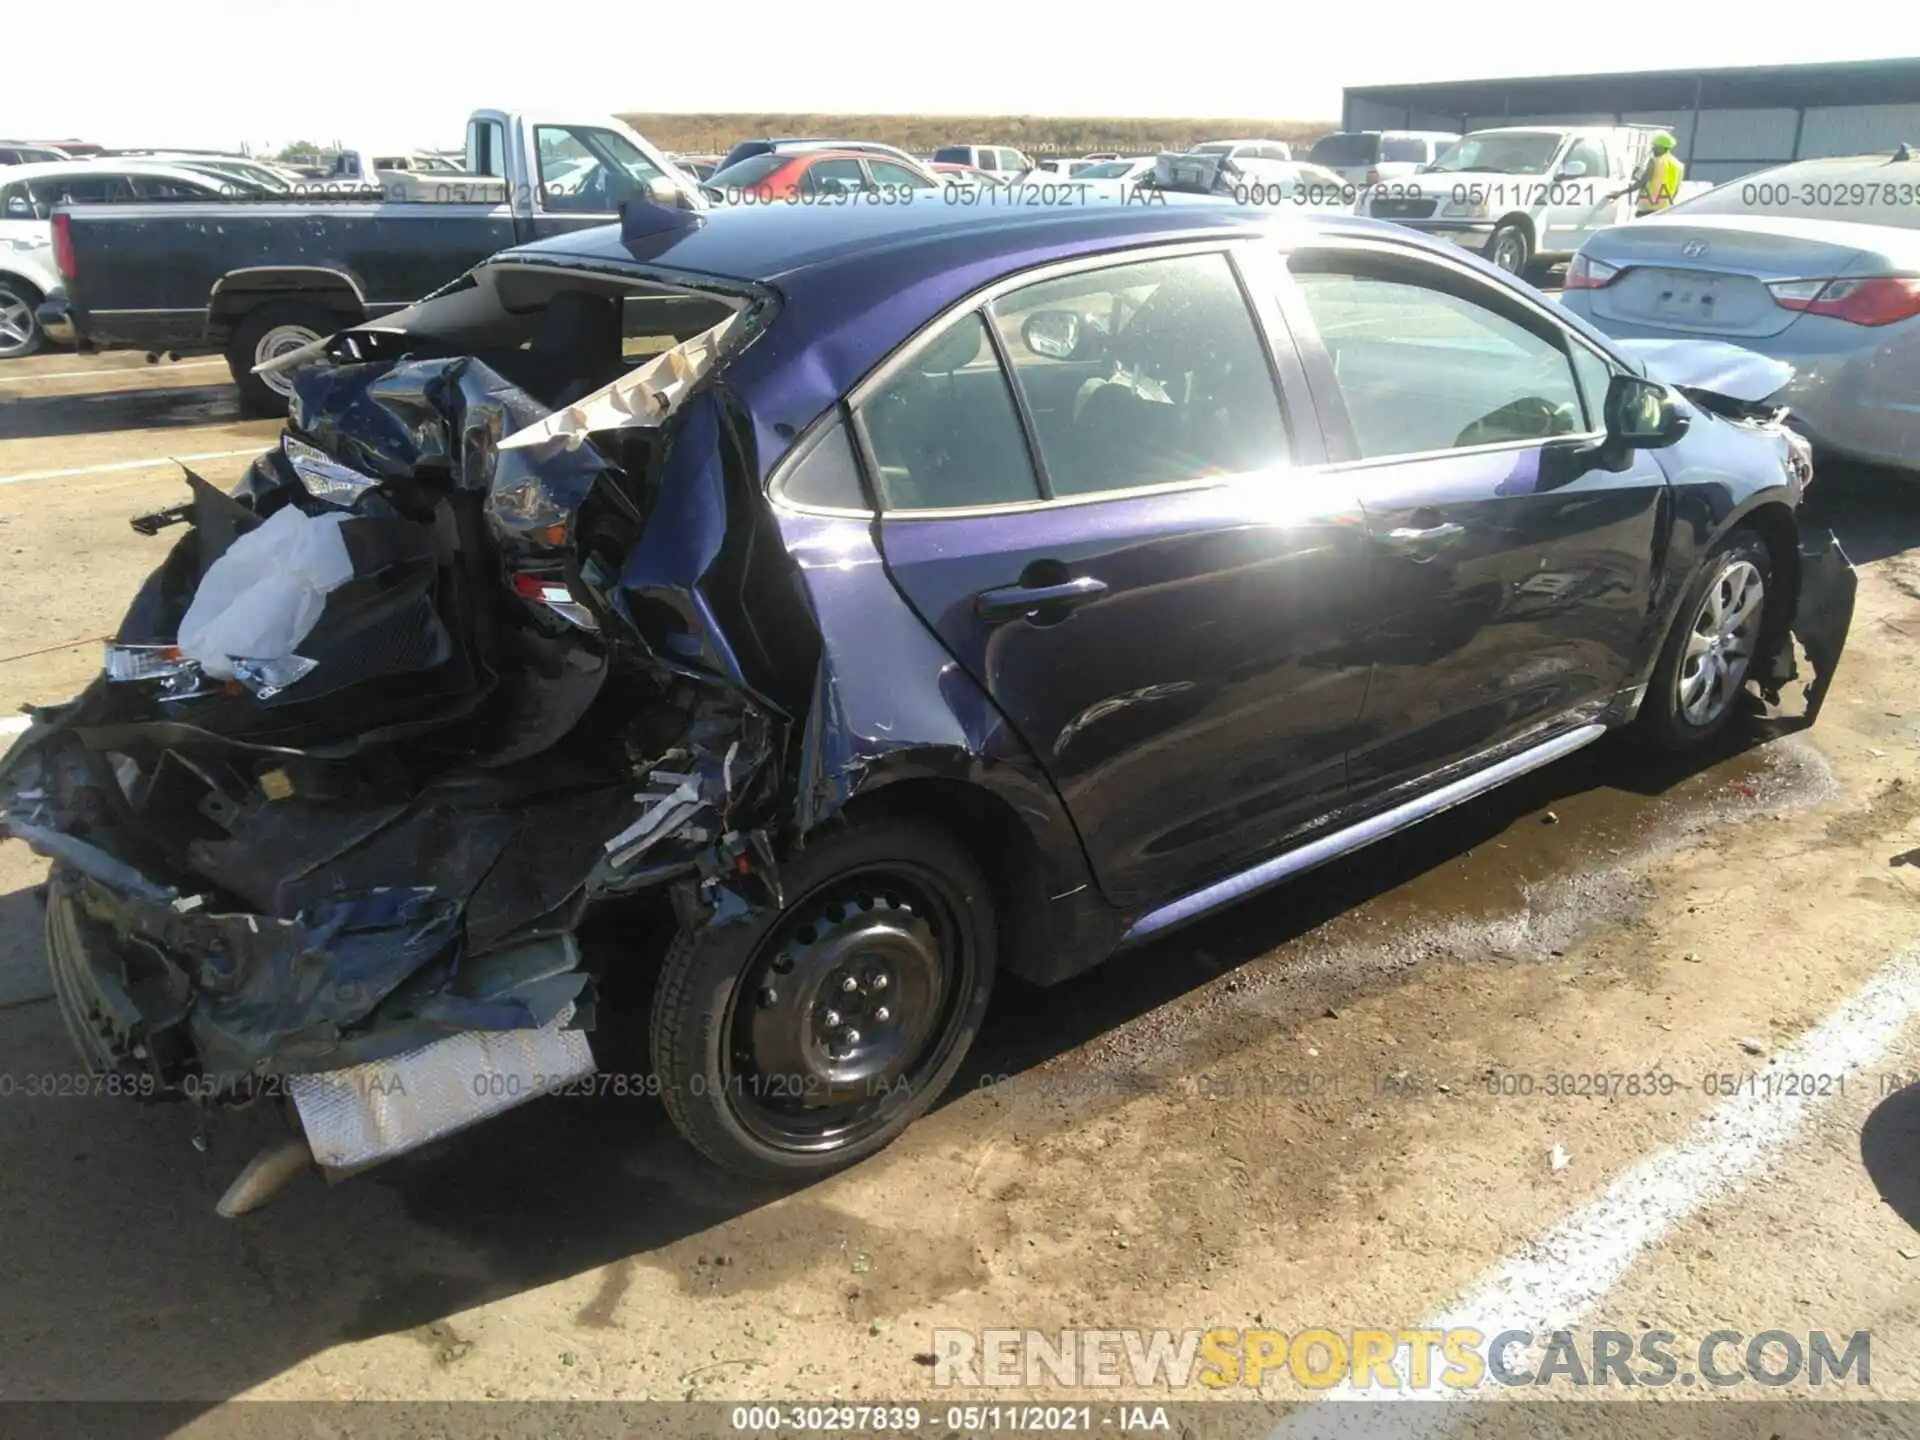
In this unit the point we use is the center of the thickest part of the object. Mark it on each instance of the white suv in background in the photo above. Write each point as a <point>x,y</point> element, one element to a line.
<point>28,194</point>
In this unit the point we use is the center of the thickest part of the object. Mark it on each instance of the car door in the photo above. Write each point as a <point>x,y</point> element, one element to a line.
<point>1512,573</point>
<point>1579,205</point>
<point>1091,491</point>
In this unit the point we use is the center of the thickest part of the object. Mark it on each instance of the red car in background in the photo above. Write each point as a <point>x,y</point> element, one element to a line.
<point>814,175</point>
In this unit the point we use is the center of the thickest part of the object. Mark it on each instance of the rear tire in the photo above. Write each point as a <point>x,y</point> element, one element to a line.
<point>20,332</point>
<point>887,937</point>
<point>1696,686</point>
<point>273,329</point>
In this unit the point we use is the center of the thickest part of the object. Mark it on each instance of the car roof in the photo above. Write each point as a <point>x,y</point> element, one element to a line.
<point>856,281</point>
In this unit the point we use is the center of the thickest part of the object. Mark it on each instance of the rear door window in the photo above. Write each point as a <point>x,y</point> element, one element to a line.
<point>944,432</point>
<point>833,177</point>
<point>886,172</point>
<point>101,187</point>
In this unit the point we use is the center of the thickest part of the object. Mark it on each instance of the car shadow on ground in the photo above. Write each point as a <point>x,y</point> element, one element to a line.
<point>1889,1147</point>
<point>47,417</point>
<point>112,1246</point>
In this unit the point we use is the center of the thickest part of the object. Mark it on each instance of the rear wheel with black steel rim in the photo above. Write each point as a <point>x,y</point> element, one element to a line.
<point>793,1044</point>
<point>1702,671</point>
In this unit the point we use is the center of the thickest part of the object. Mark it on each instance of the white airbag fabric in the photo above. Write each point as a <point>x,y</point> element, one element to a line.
<point>260,599</point>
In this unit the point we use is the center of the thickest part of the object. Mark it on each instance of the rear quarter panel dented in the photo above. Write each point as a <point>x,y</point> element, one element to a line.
<point>892,710</point>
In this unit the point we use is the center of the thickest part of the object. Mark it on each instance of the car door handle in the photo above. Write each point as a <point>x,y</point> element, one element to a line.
<point>1411,540</point>
<point>1011,602</point>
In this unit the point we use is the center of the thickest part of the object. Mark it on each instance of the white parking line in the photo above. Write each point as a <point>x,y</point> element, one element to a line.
<point>1558,1280</point>
<point>7,377</point>
<point>119,465</point>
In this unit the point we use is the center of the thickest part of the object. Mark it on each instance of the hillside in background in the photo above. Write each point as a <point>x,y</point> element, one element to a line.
<point>1038,136</point>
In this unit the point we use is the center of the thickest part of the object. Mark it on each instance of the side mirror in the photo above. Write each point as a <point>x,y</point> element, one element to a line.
<point>1573,169</point>
<point>1642,415</point>
<point>662,191</point>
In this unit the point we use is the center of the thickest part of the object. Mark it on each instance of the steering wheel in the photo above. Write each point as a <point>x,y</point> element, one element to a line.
<point>1531,417</point>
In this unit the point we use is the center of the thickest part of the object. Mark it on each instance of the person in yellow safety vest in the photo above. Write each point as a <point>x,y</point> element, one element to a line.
<point>1658,184</point>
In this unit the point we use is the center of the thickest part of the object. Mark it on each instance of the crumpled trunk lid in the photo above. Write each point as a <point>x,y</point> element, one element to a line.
<point>373,847</point>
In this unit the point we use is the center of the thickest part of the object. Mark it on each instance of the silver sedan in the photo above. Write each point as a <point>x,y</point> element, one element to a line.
<point>1816,264</point>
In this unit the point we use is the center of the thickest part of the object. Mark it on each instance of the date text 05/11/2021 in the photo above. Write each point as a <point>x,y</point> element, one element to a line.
<point>1008,1419</point>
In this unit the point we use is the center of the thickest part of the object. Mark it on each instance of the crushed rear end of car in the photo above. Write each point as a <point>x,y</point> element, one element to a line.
<point>450,666</point>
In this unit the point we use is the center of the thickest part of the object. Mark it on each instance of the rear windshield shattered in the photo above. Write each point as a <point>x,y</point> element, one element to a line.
<point>381,724</point>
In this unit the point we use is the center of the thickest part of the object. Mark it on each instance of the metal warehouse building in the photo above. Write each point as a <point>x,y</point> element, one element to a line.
<point>1728,122</point>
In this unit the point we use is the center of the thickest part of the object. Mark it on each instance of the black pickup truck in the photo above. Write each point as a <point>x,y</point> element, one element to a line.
<point>256,277</point>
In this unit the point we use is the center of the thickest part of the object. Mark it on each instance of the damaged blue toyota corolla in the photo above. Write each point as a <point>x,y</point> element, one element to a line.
<point>858,600</point>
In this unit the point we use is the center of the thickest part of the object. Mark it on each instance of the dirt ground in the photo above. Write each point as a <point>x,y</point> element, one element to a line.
<point>1287,1117</point>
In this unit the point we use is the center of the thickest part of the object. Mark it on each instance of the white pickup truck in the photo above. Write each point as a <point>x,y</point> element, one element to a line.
<point>1526,196</point>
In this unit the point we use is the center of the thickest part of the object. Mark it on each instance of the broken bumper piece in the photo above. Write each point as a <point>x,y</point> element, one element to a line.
<point>1823,614</point>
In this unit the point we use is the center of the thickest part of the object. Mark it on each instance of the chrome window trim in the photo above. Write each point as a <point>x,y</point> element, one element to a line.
<point>810,440</point>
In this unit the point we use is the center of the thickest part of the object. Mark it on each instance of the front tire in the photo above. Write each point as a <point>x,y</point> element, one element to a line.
<point>791,1045</point>
<point>1510,249</point>
<point>1703,667</point>
<point>269,331</point>
<point>20,332</point>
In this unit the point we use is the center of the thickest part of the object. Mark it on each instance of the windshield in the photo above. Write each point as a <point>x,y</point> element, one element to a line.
<point>1108,170</point>
<point>1213,147</point>
<point>953,155</point>
<point>748,172</point>
<point>1504,152</point>
<point>1349,147</point>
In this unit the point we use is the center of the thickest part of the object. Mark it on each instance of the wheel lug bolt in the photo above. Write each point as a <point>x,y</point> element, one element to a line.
<point>849,985</point>
<point>879,982</point>
<point>769,996</point>
<point>852,1037</point>
<point>832,1017</point>
<point>882,1014</point>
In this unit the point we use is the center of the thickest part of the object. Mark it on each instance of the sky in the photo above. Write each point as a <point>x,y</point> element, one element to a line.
<point>208,73</point>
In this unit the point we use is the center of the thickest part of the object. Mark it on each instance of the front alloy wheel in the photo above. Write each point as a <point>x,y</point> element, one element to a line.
<point>1720,642</point>
<point>1696,684</point>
